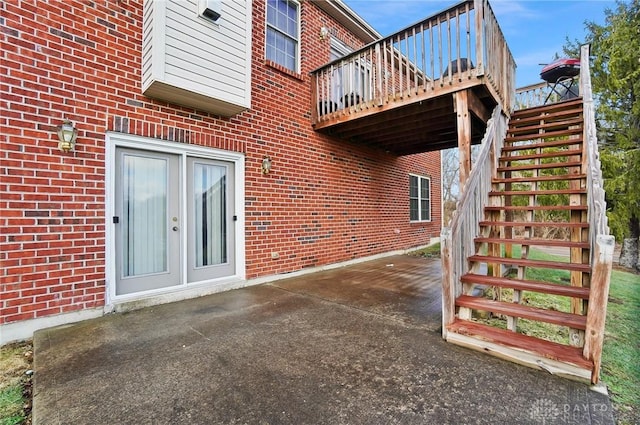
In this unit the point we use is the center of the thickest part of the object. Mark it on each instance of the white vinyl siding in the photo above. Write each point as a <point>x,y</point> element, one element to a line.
<point>191,61</point>
<point>419,198</point>
<point>147,45</point>
<point>283,33</point>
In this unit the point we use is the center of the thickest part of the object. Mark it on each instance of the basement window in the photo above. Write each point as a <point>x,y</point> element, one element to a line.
<point>419,198</point>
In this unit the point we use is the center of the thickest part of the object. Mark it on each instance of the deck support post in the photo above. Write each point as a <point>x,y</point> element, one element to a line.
<point>461,103</point>
<point>449,292</point>
<point>602,262</point>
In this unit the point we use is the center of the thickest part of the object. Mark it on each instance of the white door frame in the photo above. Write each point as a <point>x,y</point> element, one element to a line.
<point>113,140</point>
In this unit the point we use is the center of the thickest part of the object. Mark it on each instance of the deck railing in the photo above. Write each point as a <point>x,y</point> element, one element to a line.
<point>457,241</point>
<point>532,95</point>
<point>448,50</point>
<point>543,93</point>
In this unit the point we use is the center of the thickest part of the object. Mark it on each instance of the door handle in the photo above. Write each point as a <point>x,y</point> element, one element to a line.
<point>174,228</point>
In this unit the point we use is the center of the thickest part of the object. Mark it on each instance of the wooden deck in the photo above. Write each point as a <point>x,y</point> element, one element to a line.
<point>428,87</point>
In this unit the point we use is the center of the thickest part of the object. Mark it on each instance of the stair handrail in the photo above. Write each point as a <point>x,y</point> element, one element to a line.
<point>598,219</point>
<point>457,240</point>
<point>601,243</point>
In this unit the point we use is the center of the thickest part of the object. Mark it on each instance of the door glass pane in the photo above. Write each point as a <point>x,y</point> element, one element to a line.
<point>210,193</point>
<point>144,215</point>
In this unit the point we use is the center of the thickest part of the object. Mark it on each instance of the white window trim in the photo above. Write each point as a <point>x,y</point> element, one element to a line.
<point>420,199</point>
<point>115,140</point>
<point>298,35</point>
<point>339,47</point>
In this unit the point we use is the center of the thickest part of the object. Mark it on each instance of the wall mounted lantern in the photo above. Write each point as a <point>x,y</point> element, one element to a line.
<point>266,165</point>
<point>67,134</point>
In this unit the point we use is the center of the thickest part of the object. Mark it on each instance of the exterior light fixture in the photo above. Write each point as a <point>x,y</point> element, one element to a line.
<point>266,165</point>
<point>324,32</point>
<point>67,134</point>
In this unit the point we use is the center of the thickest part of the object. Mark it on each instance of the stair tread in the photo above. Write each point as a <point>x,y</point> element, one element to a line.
<point>540,166</point>
<point>527,285</point>
<point>551,117</point>
<point>558,265</point>
<point>575,321</point>
<point>560,153</point>
<point>536,208</point>
<point>532,224</point>
<point>548,349</point>
<point>548,135</point>
<point>542,109</point>
<point>534,242</point>
<point>542,145</point>
<point>538,178</point>
<point>533,125</point>
<point>538,192</point>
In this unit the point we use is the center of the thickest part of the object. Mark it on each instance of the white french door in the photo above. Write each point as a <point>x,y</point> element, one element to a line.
<point>147,218</point>
<point>210,219</point>
<point>156,247</point>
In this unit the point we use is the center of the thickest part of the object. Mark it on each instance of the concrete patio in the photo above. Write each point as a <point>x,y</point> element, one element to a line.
<point>353,345</point>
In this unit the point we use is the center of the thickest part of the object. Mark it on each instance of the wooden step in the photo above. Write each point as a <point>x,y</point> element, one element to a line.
<point>534,126</point>
<point>543,136</point>
<point>532,224</point>
<point>547,109</point>
<point>547,349</point>
<point>537,192</point>
<point>574,321</point>
<point>542,145</point>
<point>539,166</point>
<point>536,208</point>
<point>557,265</point>
<point>527,285</point>
<point>534,242</point>
<point>559,116</point>
<point>539,178</point>
<point>556,154</point>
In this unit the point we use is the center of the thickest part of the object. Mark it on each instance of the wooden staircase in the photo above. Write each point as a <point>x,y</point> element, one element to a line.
<point>538,198</point>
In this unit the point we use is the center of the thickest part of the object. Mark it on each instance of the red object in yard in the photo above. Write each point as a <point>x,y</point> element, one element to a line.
<point>560,69</point>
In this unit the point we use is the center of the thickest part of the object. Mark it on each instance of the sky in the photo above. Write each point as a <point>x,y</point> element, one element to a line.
<point>535,29</point>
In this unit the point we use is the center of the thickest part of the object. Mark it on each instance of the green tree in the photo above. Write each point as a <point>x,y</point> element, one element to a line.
<point>615,72</point>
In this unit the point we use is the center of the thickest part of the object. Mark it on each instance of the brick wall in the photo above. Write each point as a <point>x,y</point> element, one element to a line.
<point>325,201</point>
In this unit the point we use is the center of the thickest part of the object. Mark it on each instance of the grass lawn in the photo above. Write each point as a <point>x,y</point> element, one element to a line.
<point>621,355</point>
<point>15,384</point>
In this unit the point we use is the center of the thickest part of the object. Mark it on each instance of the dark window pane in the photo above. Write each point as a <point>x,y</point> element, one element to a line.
<point>424,209</point>
<point>424,188</point>
<point>413,187</point>
<point>413,209</point>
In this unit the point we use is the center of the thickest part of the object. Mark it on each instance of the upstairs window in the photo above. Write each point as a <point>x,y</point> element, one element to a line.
<point>283,33</point>
<point>419,198</point>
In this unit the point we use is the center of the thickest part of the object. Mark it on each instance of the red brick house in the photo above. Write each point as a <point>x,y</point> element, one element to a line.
<point>196,168</point>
